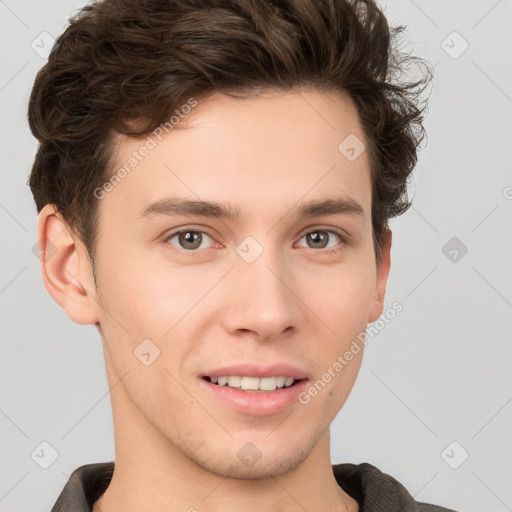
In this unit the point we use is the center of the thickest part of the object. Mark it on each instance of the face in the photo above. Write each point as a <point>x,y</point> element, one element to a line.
<point>269,289</point>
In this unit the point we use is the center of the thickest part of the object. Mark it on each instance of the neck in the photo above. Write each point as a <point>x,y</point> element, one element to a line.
<point>152,473</point>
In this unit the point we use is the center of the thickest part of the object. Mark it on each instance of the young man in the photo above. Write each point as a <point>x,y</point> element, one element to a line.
<point>214,182</point>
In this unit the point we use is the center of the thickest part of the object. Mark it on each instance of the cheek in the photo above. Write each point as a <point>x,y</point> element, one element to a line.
<point>151,311</point>
<point>329,390</point>
<point>343,309</point>
<point>147,297</point>
<point>342,298</point>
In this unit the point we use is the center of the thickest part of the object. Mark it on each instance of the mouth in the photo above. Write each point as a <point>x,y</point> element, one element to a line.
<point>257,390</point>
<point>254,384</point>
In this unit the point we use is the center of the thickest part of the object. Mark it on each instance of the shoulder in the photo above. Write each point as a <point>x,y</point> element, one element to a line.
<point>376,490</point>
<point>84,487</point>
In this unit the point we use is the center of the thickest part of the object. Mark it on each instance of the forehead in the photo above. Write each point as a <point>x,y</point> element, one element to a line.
<point>263,152</point>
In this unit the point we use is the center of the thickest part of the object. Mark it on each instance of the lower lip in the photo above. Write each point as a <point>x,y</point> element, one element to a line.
<point>253,402</point>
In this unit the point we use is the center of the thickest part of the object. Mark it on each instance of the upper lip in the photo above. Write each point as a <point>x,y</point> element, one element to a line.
<point>252,370</point>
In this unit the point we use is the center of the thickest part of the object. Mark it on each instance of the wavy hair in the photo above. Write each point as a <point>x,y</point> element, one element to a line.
<point>124,66</point>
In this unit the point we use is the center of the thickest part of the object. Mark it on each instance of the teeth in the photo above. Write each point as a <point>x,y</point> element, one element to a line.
<point>253,383</point>
<point>234,382</point>
<point>268,383</point>
<point>249,383</point>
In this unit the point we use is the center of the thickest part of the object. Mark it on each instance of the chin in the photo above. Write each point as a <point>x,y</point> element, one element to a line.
<point>265,467</point>
<point>251,463</point>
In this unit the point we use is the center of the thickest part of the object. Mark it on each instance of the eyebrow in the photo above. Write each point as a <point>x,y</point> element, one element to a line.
<point>180,206</point>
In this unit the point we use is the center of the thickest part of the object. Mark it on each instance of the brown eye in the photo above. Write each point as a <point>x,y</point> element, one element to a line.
<point>189,240</point>
<point>320,239</point>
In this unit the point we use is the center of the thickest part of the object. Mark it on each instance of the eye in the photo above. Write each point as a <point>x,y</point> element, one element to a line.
<point>189,239</point>
<point>324,240</point>
<point>320,238</point>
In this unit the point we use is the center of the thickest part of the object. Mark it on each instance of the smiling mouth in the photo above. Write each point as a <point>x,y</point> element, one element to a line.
<point>254,384</point>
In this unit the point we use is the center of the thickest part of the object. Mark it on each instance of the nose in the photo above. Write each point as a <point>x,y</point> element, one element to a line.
<point>261,299</point>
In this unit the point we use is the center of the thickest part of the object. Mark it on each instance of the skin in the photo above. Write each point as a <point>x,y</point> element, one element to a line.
<point>176,446</point>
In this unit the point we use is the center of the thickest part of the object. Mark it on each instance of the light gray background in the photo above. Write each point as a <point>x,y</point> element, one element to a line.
<point>439,372</point>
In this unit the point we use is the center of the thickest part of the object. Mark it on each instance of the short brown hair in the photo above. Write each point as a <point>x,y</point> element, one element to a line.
<point>123,66</point>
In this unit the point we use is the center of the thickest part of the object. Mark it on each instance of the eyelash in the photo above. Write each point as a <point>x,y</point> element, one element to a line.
<point>193,252</point>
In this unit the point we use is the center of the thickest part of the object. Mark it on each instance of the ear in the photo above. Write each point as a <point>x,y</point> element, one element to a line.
<point>66,267</point>
<point>382,279</point>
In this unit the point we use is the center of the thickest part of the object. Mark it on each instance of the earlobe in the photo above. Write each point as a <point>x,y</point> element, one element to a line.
<point>65,266</point>
<point>381,279</point>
